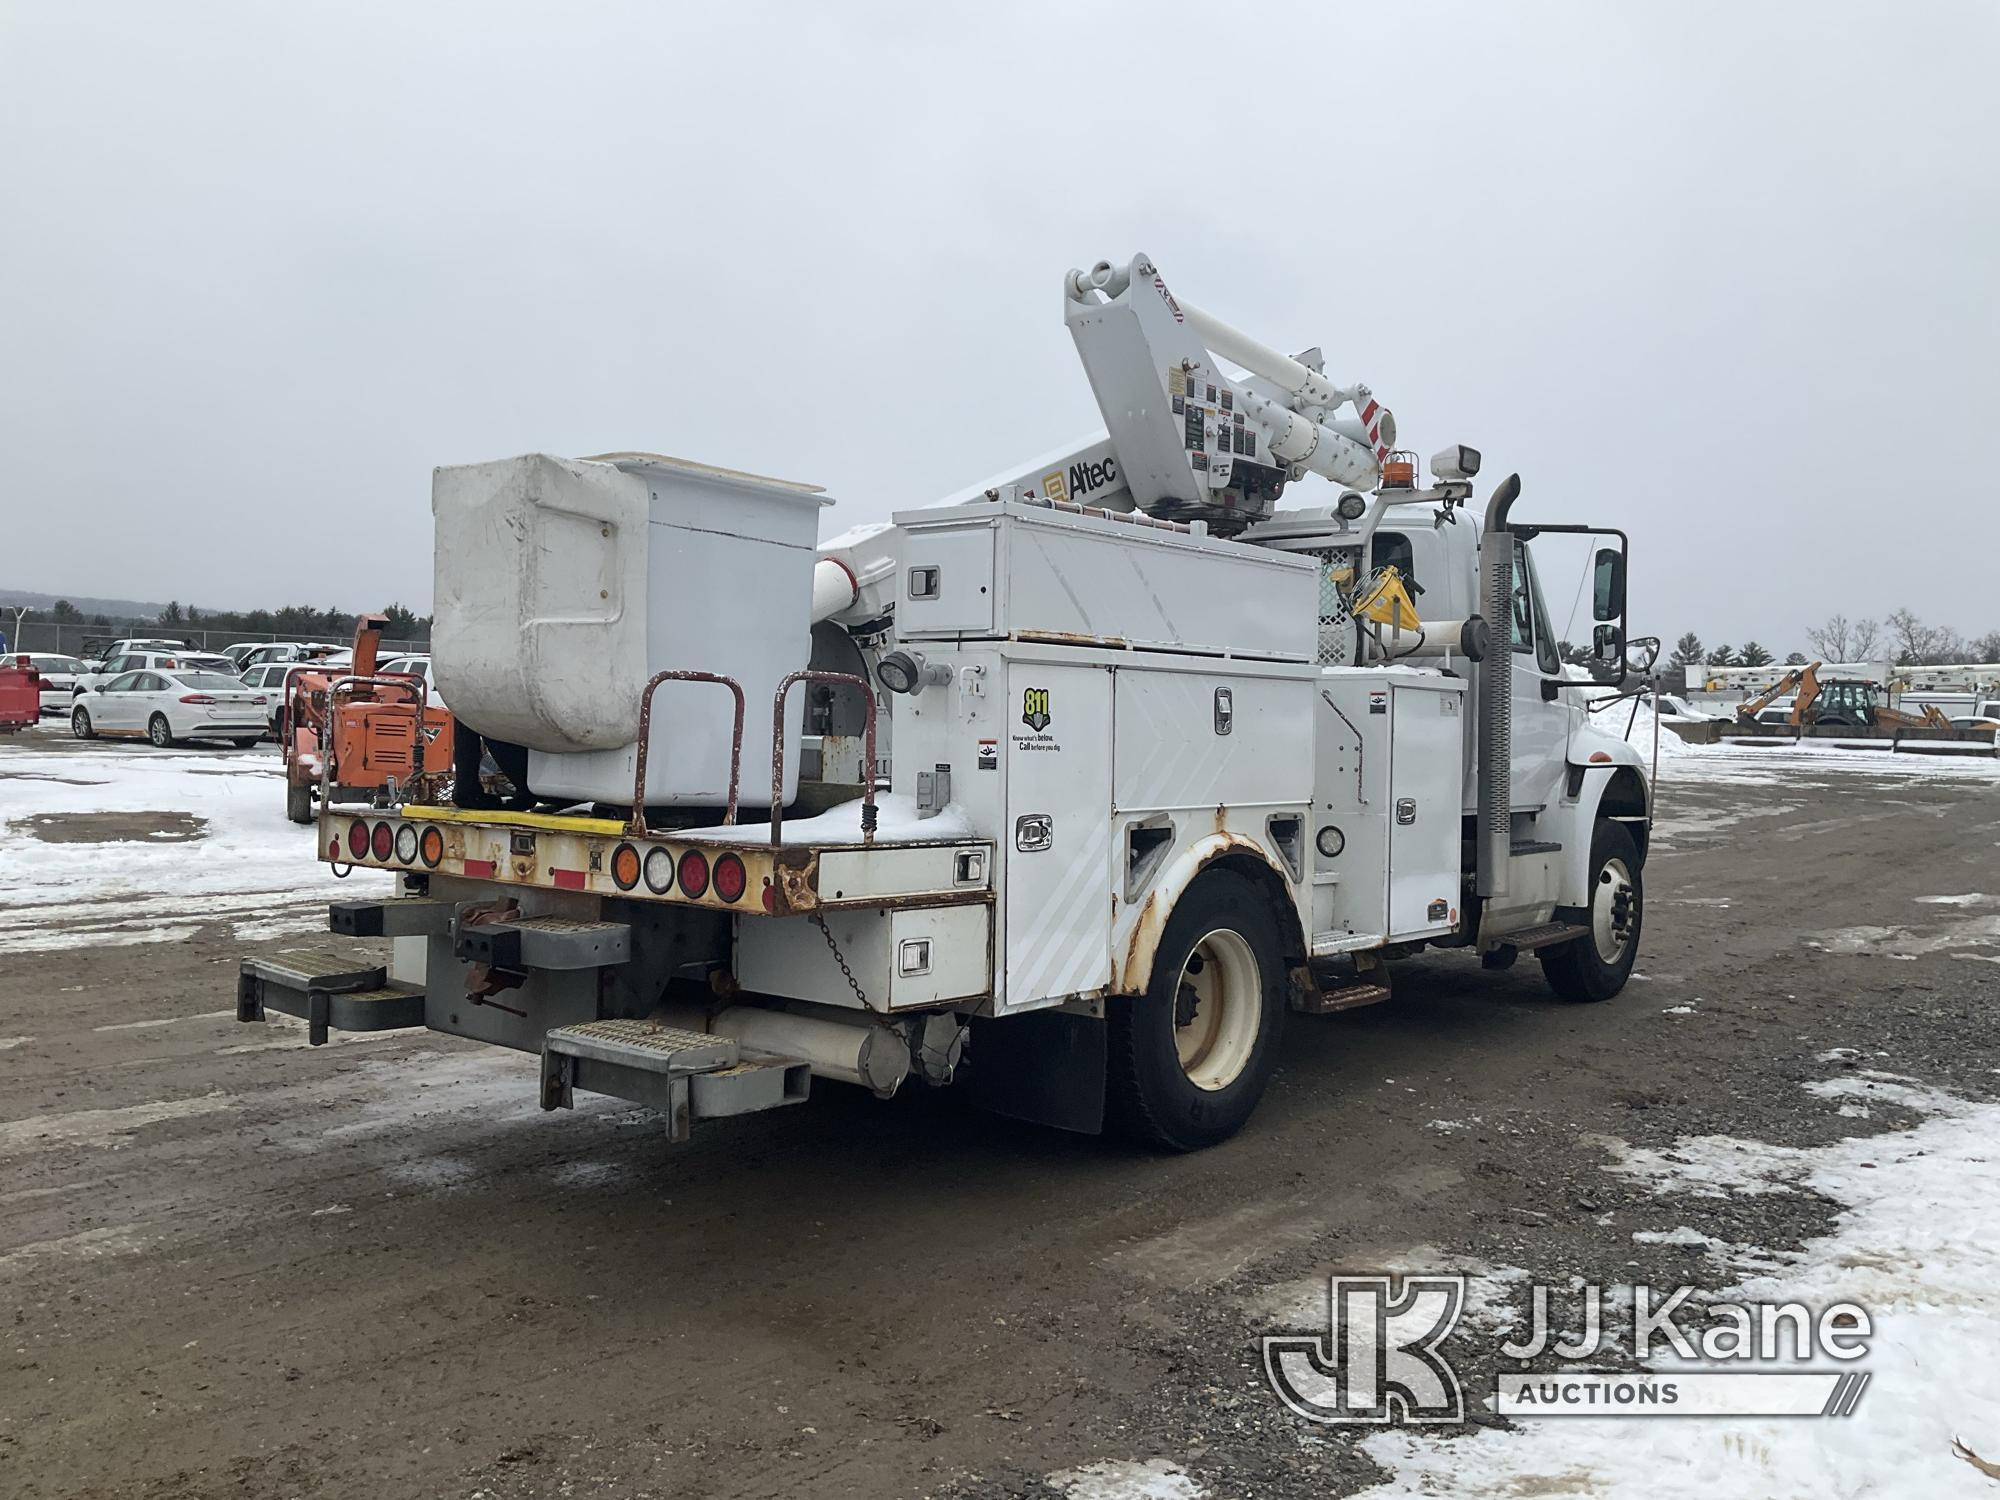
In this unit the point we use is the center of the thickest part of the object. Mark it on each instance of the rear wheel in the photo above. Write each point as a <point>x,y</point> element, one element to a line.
<point>298,802</point>
<point>1596,965</point>
<point>246,741</point>
<point>1190,1058</point>
<point>79,724</point>
<point>160,732</point>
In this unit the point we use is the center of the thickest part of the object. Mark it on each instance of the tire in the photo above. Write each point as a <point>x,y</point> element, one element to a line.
<point>80,725</point>
<point>160,732</point>
<point>298,802</point>
<point>1185,1071</point>
<point>247,741</point>
<point>1596,965</point>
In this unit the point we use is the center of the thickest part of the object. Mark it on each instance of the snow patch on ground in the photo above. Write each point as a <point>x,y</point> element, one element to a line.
<point>129,891</point>
<point>1917,1243</point>
<point>1127,1479</point>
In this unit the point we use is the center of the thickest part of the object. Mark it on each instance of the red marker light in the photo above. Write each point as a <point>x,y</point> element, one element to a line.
<point>693,873</point>
<point>730,878</point>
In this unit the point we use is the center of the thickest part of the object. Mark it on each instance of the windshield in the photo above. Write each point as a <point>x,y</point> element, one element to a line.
<point>208,681</point>
<point>57,664</point>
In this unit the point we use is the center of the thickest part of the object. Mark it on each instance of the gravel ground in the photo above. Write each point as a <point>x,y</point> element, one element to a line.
<point>237,1267</point>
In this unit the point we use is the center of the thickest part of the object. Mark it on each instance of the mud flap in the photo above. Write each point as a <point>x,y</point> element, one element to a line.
<point>1046,1068</point>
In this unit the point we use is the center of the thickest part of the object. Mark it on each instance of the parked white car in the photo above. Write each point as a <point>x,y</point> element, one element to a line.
<point>94,677</point>
<point>169,706</point>
<point>274,680</point>
<point>271,651</point>
<point>59,675</point>
<point>1674,706</point>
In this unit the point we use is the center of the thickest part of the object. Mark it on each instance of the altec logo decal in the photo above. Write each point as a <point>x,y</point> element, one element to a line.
<point>1083,479</point>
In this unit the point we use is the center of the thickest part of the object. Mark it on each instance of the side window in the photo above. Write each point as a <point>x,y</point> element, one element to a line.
<point>1529,621</point>
<point>117,664</point>
<point>1391,549</point>
<point>123,683</point>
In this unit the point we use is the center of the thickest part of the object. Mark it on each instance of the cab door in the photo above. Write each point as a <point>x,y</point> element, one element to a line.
<point>1541,727</point>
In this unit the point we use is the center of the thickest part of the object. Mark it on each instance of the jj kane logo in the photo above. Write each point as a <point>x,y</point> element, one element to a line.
<point>1379,1359</point>
<point>1035,709</point>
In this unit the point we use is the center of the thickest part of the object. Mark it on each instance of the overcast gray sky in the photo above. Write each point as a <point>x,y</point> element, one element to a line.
<point>1722,274</point>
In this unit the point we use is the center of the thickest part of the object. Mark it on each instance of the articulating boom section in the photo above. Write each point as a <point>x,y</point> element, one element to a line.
<point>1194,443</point>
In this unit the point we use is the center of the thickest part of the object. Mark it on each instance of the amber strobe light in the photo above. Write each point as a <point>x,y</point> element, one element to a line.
<point>431,847</point>
<point>625,866</point>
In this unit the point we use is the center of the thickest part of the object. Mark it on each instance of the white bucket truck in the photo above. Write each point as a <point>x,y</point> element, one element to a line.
<point>1168,761</point>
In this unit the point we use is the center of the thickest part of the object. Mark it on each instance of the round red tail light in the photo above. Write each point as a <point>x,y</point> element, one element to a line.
<point>694,873</point>
<point>431,847</point>
<point>384,841</point>
<point>730,878</point>
<point>357,839</point>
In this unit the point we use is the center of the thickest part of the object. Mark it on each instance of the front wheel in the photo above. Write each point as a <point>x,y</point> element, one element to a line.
<point>160,732</point>
<point>1596,965</point>
<point>1190,1058</point>
<point>79,724</point>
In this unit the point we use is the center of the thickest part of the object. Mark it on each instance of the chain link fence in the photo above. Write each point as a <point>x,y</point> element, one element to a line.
<point>89,641</point>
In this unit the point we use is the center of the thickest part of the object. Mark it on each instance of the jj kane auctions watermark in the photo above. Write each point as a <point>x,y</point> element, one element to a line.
<point>1380,1359</point>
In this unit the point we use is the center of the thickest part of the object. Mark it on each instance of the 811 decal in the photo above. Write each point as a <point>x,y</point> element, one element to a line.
<point>1035,708</point>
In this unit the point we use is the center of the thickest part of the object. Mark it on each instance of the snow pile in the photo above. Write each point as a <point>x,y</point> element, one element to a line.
<point>1637,722</point>
<point>240,858</point>
<point>1917,1243</point>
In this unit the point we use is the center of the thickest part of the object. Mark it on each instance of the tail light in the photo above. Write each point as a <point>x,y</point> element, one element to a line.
<point>730,878</point>
<point>197,698</point>
<point>659,871</point>
<point>384,841</point>
<point>431,847</point>
<point>357,839</point>
<point>693,873</point>
<point>406,843</point>
<point>625,866</point>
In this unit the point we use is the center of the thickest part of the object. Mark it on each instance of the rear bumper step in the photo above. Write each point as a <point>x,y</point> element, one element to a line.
<point>326,989</point>
<point>686,1075</point>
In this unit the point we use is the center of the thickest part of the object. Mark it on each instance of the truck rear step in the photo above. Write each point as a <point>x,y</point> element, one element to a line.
<point>686,1075</point>
<point>326,988</point>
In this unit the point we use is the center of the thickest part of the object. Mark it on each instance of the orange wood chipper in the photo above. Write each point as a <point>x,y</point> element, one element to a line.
<point>361,735</point>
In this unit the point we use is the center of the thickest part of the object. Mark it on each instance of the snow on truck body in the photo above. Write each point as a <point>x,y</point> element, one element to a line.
<point>1160,767</point>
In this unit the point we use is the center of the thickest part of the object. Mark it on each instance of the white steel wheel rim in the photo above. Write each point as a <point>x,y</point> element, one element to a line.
<point>1218,1008</point>
<point>1614,882</point>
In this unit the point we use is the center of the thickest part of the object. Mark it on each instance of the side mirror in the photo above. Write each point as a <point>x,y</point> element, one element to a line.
<point>1607,600</point>
<point>1607,644</point>
<point>1642,653</point>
